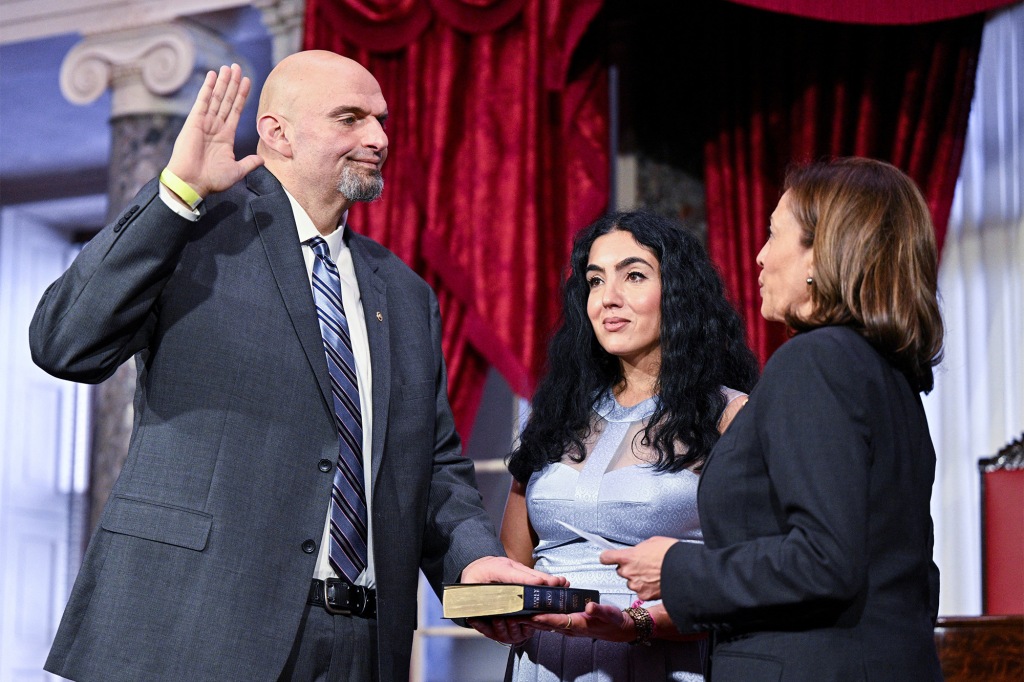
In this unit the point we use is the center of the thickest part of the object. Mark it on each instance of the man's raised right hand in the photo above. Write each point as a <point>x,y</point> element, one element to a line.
<point>204,152</point>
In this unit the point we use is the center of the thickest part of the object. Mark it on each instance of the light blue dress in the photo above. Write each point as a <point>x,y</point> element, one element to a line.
<point>616,494</point>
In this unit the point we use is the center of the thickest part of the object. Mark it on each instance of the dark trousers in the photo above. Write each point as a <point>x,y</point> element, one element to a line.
<point>331,648</point>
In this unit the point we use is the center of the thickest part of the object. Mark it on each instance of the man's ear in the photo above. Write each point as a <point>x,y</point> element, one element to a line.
<point>275,133</point>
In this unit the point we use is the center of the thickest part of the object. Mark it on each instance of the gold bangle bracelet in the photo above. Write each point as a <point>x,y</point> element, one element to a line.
<point>644,624</point>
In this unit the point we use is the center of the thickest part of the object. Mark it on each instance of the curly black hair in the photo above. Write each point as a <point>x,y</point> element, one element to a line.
<point>702,349</point>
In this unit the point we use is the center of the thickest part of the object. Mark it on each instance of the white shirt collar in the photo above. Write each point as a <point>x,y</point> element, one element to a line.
<point>306,229</point>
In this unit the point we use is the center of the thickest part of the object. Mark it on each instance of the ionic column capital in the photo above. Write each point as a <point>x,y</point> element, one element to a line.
<point>146,68</point>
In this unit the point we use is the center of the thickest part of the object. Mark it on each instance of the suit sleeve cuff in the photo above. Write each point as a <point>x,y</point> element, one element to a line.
<point>674,583</point>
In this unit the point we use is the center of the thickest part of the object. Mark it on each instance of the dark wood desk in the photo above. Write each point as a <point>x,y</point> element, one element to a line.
<point>981,649</point>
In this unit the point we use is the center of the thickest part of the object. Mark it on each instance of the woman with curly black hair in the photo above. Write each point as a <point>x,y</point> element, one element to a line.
<point>647,369</point>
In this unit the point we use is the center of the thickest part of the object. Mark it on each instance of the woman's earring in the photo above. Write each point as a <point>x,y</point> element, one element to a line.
<point>810,280</point>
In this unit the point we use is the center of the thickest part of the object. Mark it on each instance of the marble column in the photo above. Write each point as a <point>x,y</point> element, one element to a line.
<point>153,73</point>
<point>284,20</point>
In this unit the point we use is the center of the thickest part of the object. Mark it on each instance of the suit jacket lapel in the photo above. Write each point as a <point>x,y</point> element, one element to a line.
<point>373,291</point>
<point>272,213</point>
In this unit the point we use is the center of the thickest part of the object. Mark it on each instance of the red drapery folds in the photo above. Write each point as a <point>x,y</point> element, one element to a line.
<point>498,154</point>
<point>782,89</point>
<point>879,11</point>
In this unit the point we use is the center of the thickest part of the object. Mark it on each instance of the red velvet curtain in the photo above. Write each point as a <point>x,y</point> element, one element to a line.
<point>498,155</point>
<point>879,11</point>
<point>782,89</point>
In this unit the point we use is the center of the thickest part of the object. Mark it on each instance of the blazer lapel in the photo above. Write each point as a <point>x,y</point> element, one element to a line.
<point>373,291</point>
<point>272,213</point>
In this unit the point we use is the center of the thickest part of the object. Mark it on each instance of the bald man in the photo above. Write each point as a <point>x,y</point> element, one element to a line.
<point>217,555</point>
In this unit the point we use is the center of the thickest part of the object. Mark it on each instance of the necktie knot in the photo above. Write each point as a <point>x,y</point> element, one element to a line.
<point>319,247</point>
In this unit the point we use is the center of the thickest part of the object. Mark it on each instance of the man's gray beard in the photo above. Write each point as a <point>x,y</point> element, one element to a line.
<point>357,185</point>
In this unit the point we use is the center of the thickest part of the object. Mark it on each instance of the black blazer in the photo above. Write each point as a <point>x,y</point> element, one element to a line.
<point>202,563</point>
<point>817,563</point>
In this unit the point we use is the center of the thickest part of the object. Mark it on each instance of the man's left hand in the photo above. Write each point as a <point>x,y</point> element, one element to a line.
<point>499,569</point>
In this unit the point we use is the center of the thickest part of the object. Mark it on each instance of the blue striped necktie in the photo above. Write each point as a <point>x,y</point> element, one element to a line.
<point>348,500</point>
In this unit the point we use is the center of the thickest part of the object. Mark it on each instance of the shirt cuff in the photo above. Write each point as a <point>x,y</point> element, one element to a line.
<point>172,203</point>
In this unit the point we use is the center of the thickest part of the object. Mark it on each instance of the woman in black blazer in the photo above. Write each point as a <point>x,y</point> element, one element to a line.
<point>817,562</point>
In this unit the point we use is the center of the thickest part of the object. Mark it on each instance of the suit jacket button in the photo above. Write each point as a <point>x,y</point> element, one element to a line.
<point>325,465</point>
<point>308,546</point>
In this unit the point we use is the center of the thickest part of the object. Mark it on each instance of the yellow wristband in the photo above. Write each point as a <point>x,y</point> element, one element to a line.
<point>181,188</point>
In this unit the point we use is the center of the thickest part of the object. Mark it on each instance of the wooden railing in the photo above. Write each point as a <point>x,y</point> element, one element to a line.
<point>981,649</point>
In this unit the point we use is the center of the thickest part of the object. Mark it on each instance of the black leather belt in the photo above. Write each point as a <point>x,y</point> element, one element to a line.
<point>342,598</point>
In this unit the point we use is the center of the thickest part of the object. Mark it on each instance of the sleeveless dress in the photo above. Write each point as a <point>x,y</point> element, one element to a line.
<point>614,493</point>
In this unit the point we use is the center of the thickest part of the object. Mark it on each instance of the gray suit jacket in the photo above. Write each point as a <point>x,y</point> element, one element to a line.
<point>815,510</point>
<point>202,562</point>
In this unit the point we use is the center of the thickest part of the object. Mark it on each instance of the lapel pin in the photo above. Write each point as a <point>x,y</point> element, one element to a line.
<point>380,318</point>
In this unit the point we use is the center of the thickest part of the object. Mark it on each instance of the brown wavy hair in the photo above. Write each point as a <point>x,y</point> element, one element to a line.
<point>875,259</point>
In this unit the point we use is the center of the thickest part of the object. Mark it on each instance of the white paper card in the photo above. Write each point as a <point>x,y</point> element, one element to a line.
<point>590,537</point>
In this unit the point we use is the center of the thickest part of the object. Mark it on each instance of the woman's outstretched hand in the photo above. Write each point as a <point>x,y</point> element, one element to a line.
<point>597,621</point>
